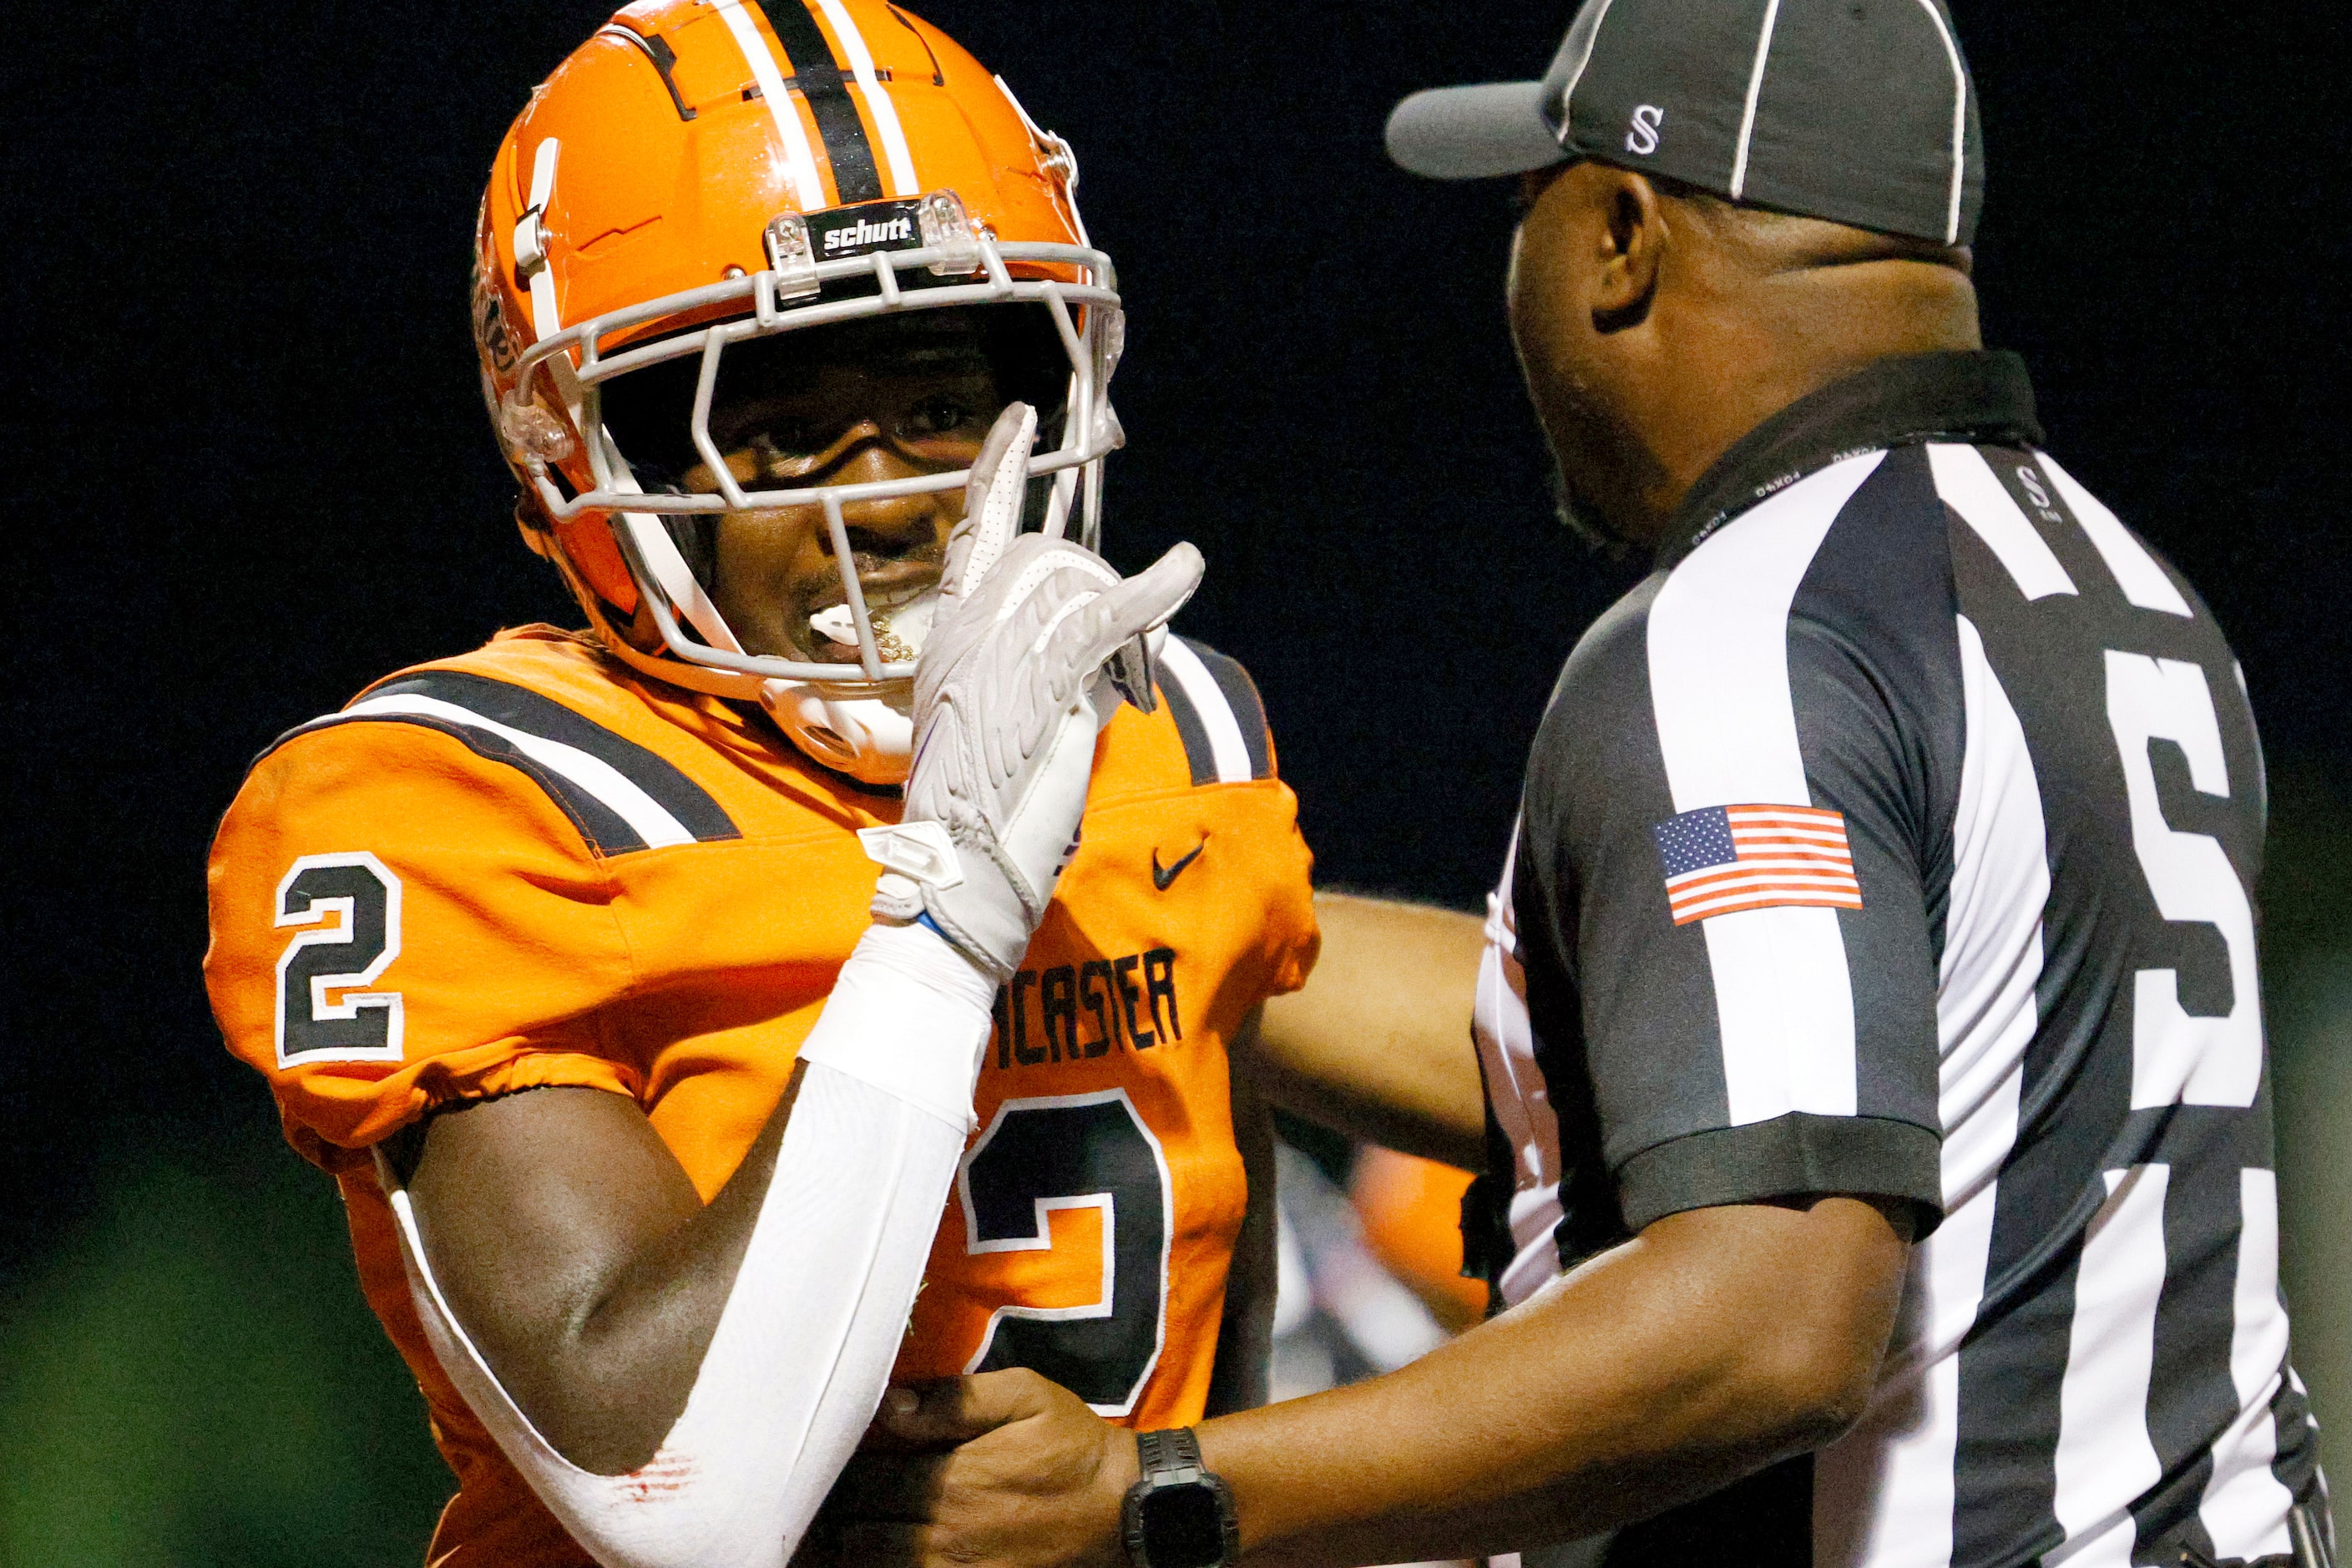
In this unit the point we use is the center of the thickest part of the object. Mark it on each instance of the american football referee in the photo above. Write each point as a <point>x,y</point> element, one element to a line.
<point>1871,1026</point>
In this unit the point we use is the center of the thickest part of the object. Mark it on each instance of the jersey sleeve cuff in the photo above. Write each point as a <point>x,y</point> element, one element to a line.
<point>332,1120</point>
<point>1796,1156</point>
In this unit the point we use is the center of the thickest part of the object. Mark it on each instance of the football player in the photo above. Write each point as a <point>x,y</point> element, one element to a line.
<point>633,982</point>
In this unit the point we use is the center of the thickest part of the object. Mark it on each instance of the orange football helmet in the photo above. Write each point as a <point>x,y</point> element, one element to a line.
<point>702,172</point>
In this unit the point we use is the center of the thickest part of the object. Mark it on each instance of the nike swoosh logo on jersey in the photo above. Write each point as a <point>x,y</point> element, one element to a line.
<point>1161,879</point>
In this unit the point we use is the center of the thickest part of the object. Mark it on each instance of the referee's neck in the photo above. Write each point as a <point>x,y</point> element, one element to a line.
<point>1657,328</point>
<point>1737,346</point>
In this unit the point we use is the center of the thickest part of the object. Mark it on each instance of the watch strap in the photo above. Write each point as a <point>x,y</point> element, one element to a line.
<point>1170,1460</point>
<point>1165,1453</point>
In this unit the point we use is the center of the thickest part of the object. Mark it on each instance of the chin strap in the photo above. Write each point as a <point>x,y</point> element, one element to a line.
<point>669,570</point>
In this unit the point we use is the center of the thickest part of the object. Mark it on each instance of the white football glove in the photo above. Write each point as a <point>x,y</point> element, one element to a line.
<point>1035,643</point>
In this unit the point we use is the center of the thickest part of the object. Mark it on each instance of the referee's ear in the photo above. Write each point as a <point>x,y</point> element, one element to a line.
<point>1633,239</point>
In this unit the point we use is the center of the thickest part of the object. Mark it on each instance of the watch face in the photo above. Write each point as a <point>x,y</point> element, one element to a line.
<point>1181,1528</point>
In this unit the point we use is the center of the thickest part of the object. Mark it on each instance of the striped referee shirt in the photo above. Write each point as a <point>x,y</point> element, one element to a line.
<point>1895,837</point>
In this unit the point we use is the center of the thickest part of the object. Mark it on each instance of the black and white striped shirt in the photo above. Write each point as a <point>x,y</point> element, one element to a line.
<point>2031,1007</point>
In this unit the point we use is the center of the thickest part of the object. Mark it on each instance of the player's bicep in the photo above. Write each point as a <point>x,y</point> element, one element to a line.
<point>527,1202</point>
<point>533,1212</point>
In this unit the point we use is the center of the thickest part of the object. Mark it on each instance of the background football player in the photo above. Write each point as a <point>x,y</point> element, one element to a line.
<point>787,321</point>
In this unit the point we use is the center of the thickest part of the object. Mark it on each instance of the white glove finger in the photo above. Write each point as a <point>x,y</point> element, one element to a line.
<point>1114,618</point>
<point>992,501</point>
<point>1133,672</point>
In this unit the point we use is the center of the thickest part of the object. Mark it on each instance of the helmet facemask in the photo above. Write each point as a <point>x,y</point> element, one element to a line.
<point>659,384</point>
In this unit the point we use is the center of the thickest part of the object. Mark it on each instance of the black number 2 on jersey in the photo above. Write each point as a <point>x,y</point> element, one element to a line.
<point>1078,1150</point>
<point>352,905</point>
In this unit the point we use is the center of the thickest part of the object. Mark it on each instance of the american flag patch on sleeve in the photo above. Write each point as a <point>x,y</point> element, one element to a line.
<point>1721,859</point>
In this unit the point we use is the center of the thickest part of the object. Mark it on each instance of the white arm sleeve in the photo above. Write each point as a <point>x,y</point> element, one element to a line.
<point>806,1343</point>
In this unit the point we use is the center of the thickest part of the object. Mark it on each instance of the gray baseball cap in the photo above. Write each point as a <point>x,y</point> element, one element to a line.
<point>1861,112</point>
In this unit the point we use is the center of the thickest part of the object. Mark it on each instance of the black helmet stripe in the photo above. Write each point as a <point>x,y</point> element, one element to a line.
<point>819,78</point>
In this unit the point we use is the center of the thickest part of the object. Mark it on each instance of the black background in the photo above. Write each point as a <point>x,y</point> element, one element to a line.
<point>252,474</point>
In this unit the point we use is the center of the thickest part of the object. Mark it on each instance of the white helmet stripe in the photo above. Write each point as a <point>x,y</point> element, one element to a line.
<point>799,163</point>
<point>878,100</point>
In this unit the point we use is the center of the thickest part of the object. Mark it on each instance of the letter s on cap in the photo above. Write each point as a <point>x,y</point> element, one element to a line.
<point>1642,131</point>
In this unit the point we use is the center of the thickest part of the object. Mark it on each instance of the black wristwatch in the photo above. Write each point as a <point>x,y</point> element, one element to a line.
<point>1179,1515</point>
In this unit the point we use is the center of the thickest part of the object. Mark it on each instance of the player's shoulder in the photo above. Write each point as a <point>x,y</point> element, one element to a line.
<point>539,727</point>
<point>1215,710</point>
<point>1210,729</point>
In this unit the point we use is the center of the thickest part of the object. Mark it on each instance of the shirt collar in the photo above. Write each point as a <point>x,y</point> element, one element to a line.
<point>1895,402</point>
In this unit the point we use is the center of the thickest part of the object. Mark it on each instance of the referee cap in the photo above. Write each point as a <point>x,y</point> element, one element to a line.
<point>1861,112</point>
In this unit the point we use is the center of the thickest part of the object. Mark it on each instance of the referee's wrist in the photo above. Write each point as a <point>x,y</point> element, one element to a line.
<point>1218,1456</point>
<point>1122,1468</point>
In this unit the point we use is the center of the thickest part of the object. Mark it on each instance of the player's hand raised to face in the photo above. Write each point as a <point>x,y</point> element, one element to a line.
<point>1005,1469</point>
<point>1036,643</point>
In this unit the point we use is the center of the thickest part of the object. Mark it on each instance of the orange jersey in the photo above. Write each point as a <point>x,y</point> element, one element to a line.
<point>528,865</point>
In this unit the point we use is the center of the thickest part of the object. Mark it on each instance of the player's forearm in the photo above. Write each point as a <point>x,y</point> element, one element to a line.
<point>1661,1371</point>
<point>1378,1044</point>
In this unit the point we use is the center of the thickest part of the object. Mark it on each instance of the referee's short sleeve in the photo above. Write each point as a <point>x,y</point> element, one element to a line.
<point>1736,815</point>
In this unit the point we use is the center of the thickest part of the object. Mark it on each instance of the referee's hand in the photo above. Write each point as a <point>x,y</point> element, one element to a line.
<point>1005,1469</point>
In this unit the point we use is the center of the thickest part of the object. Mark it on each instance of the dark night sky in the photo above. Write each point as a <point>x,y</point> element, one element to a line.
<point>242,374</point>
